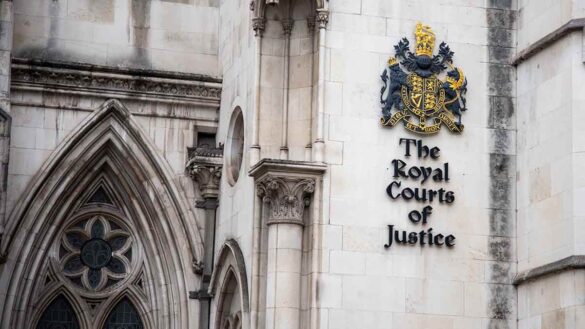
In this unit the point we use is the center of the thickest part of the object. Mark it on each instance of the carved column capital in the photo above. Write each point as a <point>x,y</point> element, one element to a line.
<point>208,178</point>
<point>258,25</point>
<point>311,23</point>
<point>287,26</point>
<point>322,18</point>
<point>204,167</point>
<point>286,197</point>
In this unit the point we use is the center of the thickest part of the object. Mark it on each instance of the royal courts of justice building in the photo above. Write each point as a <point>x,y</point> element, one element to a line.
<point>292,164</point>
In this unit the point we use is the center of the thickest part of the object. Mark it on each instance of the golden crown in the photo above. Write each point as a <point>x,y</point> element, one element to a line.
<point>425,40</point>
<point>392,61</point>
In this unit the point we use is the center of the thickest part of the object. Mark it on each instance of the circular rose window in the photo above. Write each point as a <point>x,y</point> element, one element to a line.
<point>96,253</point>
<point>235,146</point>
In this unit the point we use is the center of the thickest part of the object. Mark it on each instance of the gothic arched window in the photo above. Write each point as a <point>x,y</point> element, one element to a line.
<point>58,315</point>
<point>124,316</point>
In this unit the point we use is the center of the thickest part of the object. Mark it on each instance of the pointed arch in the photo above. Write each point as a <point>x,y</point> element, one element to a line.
<point>124,314</point>
<point>131,296</point>
<point>108,146</point>
<point>45,303</point>
<point>229,278</point>
<point>59,314</point>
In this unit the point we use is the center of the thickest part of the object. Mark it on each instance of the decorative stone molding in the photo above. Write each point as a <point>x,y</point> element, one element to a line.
<point>204,166</point>
<point>287,26</point>
<point>198,267</point>
<point>311,23</point>
<point>286,187</point>
<point>94,79</point>
<point>258,25</point>
<point>322,18</point>
<point>287,197</point>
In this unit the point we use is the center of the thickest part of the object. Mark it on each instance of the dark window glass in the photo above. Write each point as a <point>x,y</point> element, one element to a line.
<point>124,316</point>
<point>97,230</point>
<point>73,265</point>
<point>76,239</point>
<point>100,196</point>
<point>59,315</point>
<point>118,242</point>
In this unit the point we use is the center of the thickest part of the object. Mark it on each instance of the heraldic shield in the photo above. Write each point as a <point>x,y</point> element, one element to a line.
<point>419,99</point>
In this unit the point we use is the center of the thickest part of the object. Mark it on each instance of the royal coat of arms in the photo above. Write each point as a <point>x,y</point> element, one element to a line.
<point>420,99</point>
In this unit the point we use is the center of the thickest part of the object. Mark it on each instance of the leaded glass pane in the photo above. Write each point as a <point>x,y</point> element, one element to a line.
<point>76,239</point>
<point>94,277</point>
<point>100,196</point>
<point>116,266</point>
<point>73,265</point>
<point>124,316</point>
<point>96,253</point>
<point>97,230</point>
<point>118,242</point>
<point>58,315</point>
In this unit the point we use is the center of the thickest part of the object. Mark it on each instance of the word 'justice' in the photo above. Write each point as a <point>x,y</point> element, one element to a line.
<point>420,174</point>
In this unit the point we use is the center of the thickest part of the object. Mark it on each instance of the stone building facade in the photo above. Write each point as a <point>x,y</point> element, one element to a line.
<point>220,164</point>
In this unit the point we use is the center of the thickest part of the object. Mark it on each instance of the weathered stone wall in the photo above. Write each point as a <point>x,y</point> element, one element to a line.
<point>550,167</point>
<point>42,121</point>
<point>537,18</point>
<point>470,285</point>
<point>234,220</point>
<point>6,29</point>
<point>171,35</point>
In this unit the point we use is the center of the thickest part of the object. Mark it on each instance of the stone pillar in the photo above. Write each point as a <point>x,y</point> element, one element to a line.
<point>286,189</point>
<point>6,31</point>
<point>205,167</point>
<point>319,135</point>
<point>258,24</point>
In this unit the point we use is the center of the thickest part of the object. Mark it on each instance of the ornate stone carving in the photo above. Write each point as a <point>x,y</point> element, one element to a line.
<point>100,79</point>
<point>207,176</point>
<point>286,197</point>
<point>204,166</point>
<point>311,23</point>
<point>287,26</point>
<point>258,24</point>
<point>322,18</point>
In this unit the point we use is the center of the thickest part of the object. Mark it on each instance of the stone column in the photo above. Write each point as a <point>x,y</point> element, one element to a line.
<point>205,167</point>
<point>285,199</point>
<point>258,24</point>
<point>6,31</point>
<point>319,136</point>
<point>286,189</point>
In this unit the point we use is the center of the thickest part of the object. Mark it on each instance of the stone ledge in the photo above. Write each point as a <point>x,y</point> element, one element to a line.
<point>565,264</point>
<point>111,81</point>
<point>571,26</point>
<point>286,167</point>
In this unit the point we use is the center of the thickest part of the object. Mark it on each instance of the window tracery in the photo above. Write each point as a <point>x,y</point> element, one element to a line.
<point>96,253</point>
<point>96,257</point>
